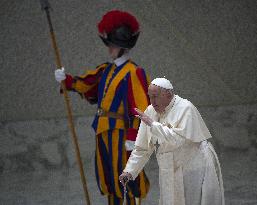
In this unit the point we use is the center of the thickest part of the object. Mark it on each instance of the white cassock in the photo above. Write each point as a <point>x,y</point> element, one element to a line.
<point>189,169</point>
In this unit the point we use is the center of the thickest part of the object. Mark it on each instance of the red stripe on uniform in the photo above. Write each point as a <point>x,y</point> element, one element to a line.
<point>132,103</point>
<point>142,78</point>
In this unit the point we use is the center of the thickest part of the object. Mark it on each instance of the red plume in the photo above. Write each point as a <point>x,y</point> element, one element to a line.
<point>114,19</point>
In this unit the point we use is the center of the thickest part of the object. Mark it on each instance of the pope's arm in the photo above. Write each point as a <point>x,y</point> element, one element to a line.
<point>140,154</point>
<point>166,134</point>
<point>189,127</point>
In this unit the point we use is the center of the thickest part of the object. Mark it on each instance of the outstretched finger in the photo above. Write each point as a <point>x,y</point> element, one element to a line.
<point>138,111</point>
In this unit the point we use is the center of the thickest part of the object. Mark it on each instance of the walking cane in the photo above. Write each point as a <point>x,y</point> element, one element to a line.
<point>124,194</point>
<point>46,6</point>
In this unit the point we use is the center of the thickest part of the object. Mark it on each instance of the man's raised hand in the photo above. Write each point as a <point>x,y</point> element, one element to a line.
<point>145,118</point>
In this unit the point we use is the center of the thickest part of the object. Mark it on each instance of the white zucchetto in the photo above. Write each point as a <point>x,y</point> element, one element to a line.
<point>163,83</point>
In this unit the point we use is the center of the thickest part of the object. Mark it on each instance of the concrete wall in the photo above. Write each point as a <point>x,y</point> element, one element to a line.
<point>206,48</point>
<point>38,158</point>
<point>46,144</point>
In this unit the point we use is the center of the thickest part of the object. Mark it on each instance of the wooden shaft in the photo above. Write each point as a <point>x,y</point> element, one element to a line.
<point>69,111</point>
<point>75,142</point>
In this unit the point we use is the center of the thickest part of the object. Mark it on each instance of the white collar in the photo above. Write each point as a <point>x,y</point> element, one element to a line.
<point>172,102</point>
<point>119,61</point>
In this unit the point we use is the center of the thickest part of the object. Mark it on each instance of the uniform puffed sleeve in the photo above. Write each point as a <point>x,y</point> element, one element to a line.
<point>86,85</point>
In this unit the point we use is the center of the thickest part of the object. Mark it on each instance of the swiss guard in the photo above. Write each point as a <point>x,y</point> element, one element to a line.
<point>117,88</point>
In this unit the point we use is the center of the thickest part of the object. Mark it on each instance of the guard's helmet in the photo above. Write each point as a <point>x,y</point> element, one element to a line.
<point>119,28</point>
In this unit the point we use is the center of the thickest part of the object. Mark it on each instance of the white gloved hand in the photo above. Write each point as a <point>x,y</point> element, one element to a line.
<point>60,75</point>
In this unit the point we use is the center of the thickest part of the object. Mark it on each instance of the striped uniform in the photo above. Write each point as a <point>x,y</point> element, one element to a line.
<point>117,90</point>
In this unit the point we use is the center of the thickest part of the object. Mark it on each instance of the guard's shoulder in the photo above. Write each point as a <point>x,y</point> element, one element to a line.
<point>103,65</point>
<point>135,69</point>
<point>132,66</point>
<point>96,71</point>
<point>132,62</point>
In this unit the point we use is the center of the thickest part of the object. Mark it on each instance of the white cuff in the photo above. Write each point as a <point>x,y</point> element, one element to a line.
<point>154,123</point>
<point>154,136</point>
<point>129,145</point>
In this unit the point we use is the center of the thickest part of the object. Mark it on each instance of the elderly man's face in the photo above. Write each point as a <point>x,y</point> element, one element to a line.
<point>159,98</point>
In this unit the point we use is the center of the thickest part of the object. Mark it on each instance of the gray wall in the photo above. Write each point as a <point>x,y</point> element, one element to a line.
<point>206,48</point>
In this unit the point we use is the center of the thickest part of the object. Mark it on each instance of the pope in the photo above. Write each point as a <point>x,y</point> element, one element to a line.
<point>189,169</point>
